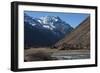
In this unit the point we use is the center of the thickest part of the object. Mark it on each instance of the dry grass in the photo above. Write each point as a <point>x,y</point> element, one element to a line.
<point>33,50</point>
<point>39,54</point>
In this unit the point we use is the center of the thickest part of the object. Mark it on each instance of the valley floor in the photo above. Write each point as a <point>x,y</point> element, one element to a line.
<point>43,54</point>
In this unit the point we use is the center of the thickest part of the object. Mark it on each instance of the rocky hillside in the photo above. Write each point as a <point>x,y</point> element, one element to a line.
<point>79,38</point>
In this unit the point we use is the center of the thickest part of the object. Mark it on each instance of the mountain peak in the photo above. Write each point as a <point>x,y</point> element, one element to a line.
<point>50,28</point>
<point>48,22</point>
<point>49,19</point>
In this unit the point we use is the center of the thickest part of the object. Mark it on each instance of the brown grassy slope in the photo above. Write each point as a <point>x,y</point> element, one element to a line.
<point>79,37</point>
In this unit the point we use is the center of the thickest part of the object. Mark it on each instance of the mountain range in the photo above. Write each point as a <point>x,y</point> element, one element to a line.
<point>44,31</point>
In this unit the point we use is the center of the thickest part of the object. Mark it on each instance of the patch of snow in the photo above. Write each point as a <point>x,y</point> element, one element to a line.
<point>39,21</point>
<point>46,26</point>
<point>52,26</point>
<point>56,20</point>
<point>33,24</point>
<point>44,19</point>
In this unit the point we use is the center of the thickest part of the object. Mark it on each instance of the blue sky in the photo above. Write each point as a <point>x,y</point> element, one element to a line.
<point>74,19</point>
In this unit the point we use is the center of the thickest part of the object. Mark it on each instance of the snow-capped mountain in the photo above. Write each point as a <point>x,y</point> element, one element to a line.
<point>48,29</point>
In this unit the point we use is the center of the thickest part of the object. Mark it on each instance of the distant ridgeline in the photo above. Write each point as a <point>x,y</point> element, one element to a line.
<point>79,38</point>
<point>44,31</point>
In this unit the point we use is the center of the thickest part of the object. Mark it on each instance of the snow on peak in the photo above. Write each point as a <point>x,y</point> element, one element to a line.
<point>47,22</point>
<point>49,19</point>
